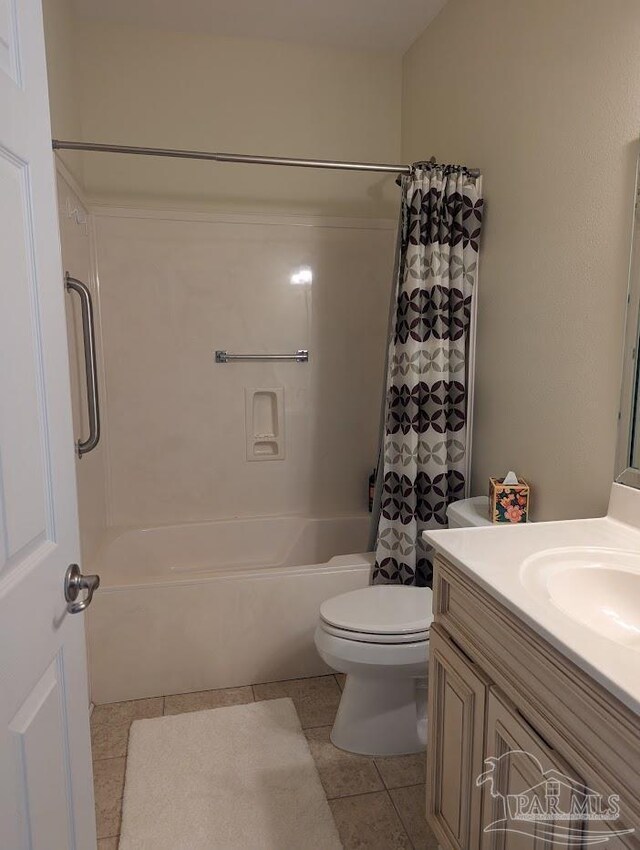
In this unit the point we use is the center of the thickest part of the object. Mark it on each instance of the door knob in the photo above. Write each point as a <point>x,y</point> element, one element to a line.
<point>74,582</point>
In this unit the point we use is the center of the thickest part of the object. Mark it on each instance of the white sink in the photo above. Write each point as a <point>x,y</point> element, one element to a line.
<point>599,588</point>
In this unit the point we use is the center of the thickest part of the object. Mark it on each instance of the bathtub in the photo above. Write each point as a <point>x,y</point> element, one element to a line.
<point>217,604</point>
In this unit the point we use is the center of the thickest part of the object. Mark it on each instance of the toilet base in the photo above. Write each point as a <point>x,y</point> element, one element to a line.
<point>381,716</point>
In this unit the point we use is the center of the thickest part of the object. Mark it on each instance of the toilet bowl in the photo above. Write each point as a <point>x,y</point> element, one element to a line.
<point>379,637</point>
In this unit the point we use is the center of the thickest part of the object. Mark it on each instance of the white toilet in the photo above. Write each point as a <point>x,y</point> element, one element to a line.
<point>379,637</point>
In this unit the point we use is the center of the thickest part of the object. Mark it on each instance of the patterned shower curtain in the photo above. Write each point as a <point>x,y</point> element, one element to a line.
<point>424,446</point>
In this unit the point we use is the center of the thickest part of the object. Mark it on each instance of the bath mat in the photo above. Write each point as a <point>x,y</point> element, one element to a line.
<point>233,778</point>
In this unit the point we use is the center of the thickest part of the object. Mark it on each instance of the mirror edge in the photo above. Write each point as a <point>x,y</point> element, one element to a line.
<point>624,473</point>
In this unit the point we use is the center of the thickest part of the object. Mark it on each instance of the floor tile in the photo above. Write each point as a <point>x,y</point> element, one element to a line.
<point>369,822</point>
<point>410,804</point>
<point>108,843</point>
<point>316,699</point>
<point>110,724</point>
<point>340,679</point>
<point>201,700</point>
<point>108,783</point>
<point>401,771</point>
<point>342,774</point>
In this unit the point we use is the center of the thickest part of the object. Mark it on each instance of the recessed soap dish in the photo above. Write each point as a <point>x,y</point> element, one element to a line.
<point>264,423</point>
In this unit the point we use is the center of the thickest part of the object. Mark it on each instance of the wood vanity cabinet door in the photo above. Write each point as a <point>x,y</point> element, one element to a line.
<point>615,842</point>
<point>515,759</point>
<point>455,749</point>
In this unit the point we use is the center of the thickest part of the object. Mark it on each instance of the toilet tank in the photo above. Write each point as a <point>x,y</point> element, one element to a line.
<point>469,512</point>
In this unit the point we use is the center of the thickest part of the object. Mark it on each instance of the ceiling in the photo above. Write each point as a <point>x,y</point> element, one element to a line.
<point>357,24</point>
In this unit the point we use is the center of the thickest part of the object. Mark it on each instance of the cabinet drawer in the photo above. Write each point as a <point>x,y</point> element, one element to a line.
<point>456,731</point>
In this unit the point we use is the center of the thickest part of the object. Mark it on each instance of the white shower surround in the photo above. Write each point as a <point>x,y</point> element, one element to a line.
<point>212,623</point>
<point>224,623</point>
<point>174,286</point>
<point>219,604</point>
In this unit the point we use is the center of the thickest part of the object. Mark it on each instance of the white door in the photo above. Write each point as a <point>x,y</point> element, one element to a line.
<point>46,788</point>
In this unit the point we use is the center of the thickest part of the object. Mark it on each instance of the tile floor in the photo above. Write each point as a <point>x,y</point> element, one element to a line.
<point>377,803</point>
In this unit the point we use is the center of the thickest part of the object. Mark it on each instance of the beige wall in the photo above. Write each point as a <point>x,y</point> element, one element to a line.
<point>169,89</point>
<point>544,97</point>
<point>62,72</point>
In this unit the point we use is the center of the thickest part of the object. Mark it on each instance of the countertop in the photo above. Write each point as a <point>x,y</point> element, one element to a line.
<point>493,558</point>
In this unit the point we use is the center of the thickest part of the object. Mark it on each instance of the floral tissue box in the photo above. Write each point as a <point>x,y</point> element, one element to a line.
<point>508,502</point>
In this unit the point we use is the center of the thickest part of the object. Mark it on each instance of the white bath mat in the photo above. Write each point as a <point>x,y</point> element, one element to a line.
<point>234,778</point>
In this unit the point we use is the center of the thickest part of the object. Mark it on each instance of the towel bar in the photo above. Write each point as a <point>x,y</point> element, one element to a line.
<point>301,356</point>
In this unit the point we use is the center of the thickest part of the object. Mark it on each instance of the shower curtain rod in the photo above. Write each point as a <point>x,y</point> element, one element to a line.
<point>58,144</point>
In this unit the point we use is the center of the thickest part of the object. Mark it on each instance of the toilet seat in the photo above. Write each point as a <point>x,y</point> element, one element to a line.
<point>370,637</point>
<point>397,660</point>
<point>380,614</point>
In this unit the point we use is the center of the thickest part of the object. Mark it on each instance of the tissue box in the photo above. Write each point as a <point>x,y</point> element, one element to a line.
<point>508,502</point>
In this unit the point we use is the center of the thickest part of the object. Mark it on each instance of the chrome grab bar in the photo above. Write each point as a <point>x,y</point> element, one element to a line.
<point>91,372</point>
<point>301,356</point>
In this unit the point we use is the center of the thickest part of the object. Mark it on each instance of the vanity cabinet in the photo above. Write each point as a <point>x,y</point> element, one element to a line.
<point>513,722</point>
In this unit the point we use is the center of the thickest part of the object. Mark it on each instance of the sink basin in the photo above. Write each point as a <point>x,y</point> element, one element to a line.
<point>599,588</point>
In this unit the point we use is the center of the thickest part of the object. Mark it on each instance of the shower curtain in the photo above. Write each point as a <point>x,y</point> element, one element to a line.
<point>423,457</point>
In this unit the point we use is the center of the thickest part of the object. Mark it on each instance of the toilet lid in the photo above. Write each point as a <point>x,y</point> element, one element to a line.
<point>383,610</point>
